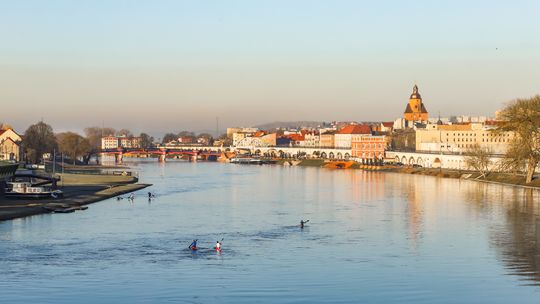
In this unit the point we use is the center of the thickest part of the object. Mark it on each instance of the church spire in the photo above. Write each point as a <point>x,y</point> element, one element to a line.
<point>415,94</point>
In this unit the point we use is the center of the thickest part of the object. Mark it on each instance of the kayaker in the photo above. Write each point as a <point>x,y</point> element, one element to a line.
<point>302,222</point>
<point>149,195</point>
<point>218,246</point>
<point>193,245</point>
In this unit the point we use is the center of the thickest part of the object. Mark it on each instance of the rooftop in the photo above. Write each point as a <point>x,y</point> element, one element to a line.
<point>355,129</point>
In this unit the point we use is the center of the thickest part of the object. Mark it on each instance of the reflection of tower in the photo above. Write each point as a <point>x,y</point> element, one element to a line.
<point>414,215</point>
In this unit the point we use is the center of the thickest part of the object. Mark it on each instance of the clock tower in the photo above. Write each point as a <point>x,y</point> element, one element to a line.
<point>415,111</point>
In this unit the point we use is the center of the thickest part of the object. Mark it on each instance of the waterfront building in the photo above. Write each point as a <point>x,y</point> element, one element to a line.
<point>185,140</point>
<point>204,141</point>
<point>415,112</point>
<point>245,132</point>
<point>232,131</point>
<point>311,139</point>
<point>115,142</point>
<point>326,140</point>
<point>130,142</point>
<point>259,139</point>
<point>343,137</point>
<point>10,145</point>
<point>283,141</point>
<point>368,147</point>
<point>460,138</point>
<point>296,140</point>
<point>109,142</point>
<point>385,127</point>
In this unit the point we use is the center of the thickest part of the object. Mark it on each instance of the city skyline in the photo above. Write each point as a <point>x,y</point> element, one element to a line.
<point>179,65</point>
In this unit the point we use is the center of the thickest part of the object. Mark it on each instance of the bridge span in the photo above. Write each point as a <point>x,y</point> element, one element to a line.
<point>162,153</point>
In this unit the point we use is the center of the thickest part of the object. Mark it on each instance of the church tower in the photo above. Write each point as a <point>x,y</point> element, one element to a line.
<point>415,111</point>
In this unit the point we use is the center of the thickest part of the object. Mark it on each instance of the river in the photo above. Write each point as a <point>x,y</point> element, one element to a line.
<point>372,237</point>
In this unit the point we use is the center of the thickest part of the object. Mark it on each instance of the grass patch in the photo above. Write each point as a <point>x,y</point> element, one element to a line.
<point>312,163</point>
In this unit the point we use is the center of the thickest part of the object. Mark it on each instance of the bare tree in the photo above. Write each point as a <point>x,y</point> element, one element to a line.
<point>39,139</point>
<point>147,141</point>
<point>479,159</point>
<point>94,134</point>
<point>522,116</point>
<point>124,132</point>
<point>73,145</point>
<point>169,137</point>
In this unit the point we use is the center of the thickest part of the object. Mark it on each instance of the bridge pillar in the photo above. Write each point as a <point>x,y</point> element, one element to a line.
<point>118,158</point>
<point>162,157</point>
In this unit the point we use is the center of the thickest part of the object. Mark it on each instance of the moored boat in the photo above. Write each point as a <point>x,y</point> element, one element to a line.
<point>25,190</point>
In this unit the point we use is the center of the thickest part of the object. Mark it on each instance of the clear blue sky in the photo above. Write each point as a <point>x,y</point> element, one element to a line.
<point>174,65</point>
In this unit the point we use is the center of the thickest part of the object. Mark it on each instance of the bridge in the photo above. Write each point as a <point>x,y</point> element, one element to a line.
<point>162,153</point>
<point>194,153</point>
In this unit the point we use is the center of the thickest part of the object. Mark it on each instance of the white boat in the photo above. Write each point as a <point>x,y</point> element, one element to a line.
<point>27,191</point>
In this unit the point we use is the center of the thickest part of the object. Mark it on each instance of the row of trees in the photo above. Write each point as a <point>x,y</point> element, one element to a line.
<point>168,137</point>
<point>40,138</point>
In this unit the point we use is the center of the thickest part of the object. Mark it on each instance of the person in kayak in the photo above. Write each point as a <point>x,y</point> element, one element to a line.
<point>218,246</point>
<point>193,245</point>
<point>302,223</point>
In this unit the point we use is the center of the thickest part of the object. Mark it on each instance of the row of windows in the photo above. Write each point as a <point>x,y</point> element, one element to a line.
<point>483,134</point>
<point>483,140</point>
<point>367,146</point>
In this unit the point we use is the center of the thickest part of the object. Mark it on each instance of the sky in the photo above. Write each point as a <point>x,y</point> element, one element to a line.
<point>160,66</point>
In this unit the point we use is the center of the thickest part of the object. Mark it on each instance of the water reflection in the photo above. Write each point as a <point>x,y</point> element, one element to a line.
<point>373,237</point>
<point>517,237</point>
<point>415,214</point>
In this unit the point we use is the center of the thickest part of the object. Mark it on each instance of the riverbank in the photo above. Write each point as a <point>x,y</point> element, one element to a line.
<point>79,190</point>
<point>498,178</point>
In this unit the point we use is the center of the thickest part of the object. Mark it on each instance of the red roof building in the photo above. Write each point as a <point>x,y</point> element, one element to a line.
<point>342,138</point>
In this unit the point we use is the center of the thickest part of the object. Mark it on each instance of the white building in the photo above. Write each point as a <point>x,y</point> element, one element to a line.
<point>460,138</point>
<point>343,138</point>
<point>115,142</point>
<point>109,142</point>
<point>311,140</point>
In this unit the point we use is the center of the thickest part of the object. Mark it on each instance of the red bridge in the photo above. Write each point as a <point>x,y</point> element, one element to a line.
<point>162,153</point>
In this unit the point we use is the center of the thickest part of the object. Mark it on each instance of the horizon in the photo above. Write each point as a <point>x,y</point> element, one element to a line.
<point>179,65</point>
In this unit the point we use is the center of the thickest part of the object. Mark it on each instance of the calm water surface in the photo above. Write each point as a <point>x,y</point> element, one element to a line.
<point>372,237</point>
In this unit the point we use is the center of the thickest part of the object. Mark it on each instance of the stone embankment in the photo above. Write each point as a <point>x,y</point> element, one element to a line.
<point>494,177</point>
<point>79,190</point>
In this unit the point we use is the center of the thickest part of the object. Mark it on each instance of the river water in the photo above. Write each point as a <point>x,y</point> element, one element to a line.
<point>372,237</point>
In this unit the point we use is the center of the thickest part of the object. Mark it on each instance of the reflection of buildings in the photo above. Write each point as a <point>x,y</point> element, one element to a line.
<point>414,213</point>
<point>518,242</point>
<point>515,237</point>
<point>367,186</point>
